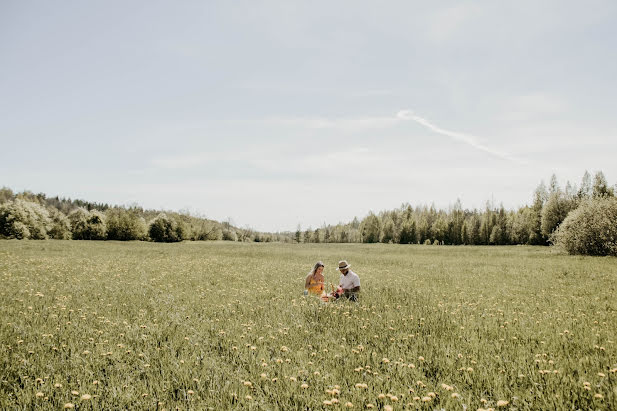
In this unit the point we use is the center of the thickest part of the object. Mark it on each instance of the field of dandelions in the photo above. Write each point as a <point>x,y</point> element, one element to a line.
<point>218,325</point>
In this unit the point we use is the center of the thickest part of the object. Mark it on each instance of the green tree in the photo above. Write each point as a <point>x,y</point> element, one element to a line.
<point>6,194</point>
<point>88,225</point>
<point>439,229</point>
<point>408,232</point>
<point>496,235</point>
<point>125,225</point>
<point>371,228</point>
<point>298,235</point>
<point>554,212</point>
<point>307,235</point>
<point>60,225</point>
<point>165,229</point>
<point>585,191</point>
<point>600,187</point>
<point>535,224</point>
<point>317,236</point>
<point>388,233</point>
<point>23,219</point>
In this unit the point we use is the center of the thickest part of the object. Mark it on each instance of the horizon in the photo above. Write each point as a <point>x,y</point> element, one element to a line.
<point>492,204</point>
<point>280,114</point>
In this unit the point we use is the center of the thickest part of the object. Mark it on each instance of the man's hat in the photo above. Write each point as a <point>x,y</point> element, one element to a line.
<point>342,265</point>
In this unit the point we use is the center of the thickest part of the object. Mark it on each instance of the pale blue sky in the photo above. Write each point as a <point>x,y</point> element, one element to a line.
<point>279,113</point>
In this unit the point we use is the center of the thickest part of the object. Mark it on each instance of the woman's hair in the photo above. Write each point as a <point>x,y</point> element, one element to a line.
<point>317,265</point>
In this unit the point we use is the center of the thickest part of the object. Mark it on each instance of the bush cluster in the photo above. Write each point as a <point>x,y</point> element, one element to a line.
<point>165,229</point>
<point>24,220</point>
<point>591,229</point>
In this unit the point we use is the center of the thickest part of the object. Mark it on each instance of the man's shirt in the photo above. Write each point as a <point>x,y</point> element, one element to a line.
<point>350,280</point>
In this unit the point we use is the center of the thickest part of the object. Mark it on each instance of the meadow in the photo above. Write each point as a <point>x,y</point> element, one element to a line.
<point>221,325</point>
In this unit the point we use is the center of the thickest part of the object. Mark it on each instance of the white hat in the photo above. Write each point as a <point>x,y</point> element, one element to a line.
<point>342,265</point>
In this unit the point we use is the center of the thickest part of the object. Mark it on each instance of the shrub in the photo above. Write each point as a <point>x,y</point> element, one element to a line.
<point>24,219</point>
<point>206,230</point>
<point>125,225</point>
<point>591,229</point>
<point>60,225</point>
<point>88,225</point>
<point>230,235</point>
<point>165,229</point>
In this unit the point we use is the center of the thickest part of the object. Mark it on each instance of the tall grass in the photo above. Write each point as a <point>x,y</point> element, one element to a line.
<point>105,325</point>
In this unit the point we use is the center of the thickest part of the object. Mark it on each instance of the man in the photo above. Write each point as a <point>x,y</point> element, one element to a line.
<point>349,281</point>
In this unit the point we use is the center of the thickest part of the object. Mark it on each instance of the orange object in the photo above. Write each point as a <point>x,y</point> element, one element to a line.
<point>315,286</point>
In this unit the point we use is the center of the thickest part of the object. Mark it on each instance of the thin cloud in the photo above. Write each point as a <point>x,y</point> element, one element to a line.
<point>464,138</point>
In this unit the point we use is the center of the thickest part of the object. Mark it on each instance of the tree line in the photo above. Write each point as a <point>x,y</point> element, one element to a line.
<point>589,208</point>
<point>27,215</point>
<point>534,224</point>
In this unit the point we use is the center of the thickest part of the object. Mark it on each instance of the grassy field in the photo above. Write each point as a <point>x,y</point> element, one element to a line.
<point>106,325</point>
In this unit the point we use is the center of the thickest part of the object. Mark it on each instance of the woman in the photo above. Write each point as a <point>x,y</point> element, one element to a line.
<point>315,280</point>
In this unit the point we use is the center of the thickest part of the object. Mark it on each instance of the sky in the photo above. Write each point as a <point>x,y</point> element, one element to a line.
<point>274,114</point>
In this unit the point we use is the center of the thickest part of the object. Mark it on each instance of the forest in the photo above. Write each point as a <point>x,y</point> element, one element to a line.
<point>562,216</point>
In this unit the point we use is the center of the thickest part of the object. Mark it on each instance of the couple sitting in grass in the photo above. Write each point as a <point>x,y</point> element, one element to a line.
<point>349,282</point>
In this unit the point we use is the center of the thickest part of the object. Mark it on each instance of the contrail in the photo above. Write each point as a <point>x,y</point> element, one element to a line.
<point>465,138</point>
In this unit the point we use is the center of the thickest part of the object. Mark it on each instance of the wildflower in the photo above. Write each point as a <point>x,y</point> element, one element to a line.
<point>502,403</point>
<point>305,386</point>
<point>75,392</point>
<point>327,402</point>
<point>248,384</point>
<point>248,397</point>
<point>57,385</point>
<point>601,375</point>
<point>455,395</point>
<point>599,396</point>
<point>388,408</point>
<point>86,397</point>
<point>69,405</point>
<point>381,396</point>
<point>190,392</point>
<point>348,405</point>
<point>426,399</point>
<point>39,395</point>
